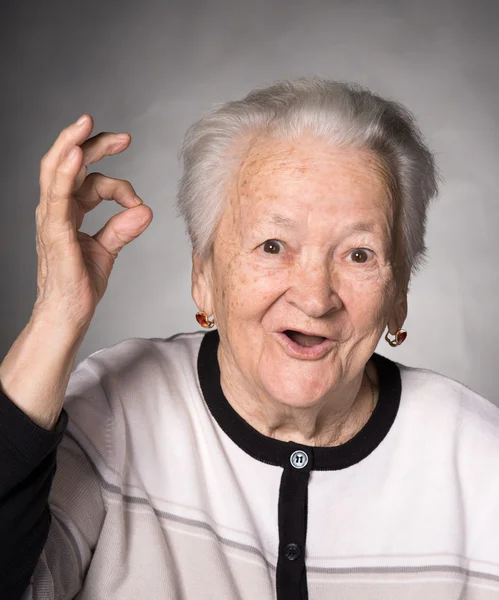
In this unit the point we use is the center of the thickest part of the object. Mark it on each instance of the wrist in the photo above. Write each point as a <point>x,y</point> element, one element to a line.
<point>54,323</point>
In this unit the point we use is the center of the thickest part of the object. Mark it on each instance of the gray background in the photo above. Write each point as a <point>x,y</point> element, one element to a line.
<point>152,68</point>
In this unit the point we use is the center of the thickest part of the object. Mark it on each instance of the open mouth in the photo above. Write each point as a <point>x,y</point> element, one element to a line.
<point>303,339</point>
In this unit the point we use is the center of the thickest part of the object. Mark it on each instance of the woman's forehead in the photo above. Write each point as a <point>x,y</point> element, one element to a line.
<point>309,174</point>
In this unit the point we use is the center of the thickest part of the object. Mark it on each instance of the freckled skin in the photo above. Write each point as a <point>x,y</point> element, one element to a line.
<point>312,284</point>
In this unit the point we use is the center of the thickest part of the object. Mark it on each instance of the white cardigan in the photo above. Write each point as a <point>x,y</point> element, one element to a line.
<point>163,493</point>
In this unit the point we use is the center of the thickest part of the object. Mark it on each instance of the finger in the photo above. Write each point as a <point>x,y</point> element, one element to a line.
<point>123,228</point>
<point>59,199</point>
<point>97,187</point>
<point>80,177</point>
<point>98,146</point>
<point>74,134</point>
<point>104,144</point>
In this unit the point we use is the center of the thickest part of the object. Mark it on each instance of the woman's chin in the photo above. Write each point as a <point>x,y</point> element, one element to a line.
<point>295,389</point>
<point>298,382</point>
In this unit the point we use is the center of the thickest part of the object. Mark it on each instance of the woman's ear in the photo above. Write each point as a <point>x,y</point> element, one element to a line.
<point>398,314</point>
<point>202,283</point>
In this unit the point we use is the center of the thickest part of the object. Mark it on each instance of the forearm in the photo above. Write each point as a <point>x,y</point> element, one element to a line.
<point>35,372</point>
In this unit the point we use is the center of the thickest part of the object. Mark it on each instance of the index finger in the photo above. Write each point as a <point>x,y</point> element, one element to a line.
<point>73,135</point>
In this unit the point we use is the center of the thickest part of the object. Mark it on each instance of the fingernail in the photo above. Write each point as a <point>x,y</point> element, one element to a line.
<point>123,137</point>
<point>138,200</point>
<point>81,120</point>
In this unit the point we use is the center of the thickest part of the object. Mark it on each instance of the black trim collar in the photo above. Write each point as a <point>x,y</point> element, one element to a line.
<point>277,452</point>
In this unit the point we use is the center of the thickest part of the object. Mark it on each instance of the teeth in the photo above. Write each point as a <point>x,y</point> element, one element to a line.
<point>303,339</point>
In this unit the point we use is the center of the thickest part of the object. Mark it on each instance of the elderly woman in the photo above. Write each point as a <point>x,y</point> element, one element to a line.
<point>278,456</point>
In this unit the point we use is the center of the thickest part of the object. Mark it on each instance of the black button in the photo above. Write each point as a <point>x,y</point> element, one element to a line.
<point>292,551</point>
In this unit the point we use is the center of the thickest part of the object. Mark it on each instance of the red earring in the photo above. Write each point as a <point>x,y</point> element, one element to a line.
<point>400,336</point>
<point>203,319</point>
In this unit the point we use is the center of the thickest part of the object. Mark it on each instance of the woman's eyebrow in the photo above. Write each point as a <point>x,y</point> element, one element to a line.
<point>275,219</point>
<point>288,223</point>
<point>360,226</point>
<point>282,221</point>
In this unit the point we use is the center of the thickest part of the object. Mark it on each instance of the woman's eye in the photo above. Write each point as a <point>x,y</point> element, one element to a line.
<point>272,246</point>
<point>360,255</point>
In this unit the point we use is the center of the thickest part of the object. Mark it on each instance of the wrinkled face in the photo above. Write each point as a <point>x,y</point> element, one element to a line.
<point>300,281</point>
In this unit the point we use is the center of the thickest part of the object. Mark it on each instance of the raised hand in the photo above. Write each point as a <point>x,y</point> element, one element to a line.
<point>74,267</point>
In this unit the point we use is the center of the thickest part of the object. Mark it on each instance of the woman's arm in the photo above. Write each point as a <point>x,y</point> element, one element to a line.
<point>73,267</point>
<point>34,376</point>
<point>73,272</point>
<point>52,506</point>
<point>28,463</point>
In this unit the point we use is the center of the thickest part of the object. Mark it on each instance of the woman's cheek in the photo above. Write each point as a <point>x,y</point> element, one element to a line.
<point>254,293</point>
<point>363,297</point>
<point>359,287</point>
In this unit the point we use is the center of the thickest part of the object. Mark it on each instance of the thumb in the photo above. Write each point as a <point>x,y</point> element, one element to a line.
<point>123,228</point>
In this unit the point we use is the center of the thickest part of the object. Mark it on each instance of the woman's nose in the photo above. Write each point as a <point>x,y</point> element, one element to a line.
<point>314,290</point>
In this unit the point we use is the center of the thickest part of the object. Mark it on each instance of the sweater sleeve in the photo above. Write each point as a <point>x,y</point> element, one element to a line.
<point>27,468</point>
<point>52,506</point>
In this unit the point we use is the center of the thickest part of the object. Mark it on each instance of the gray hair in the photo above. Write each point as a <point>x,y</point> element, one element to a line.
<point>344,114</point>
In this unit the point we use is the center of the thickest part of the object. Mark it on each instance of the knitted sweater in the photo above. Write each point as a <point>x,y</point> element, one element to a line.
<point>162,491</point>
